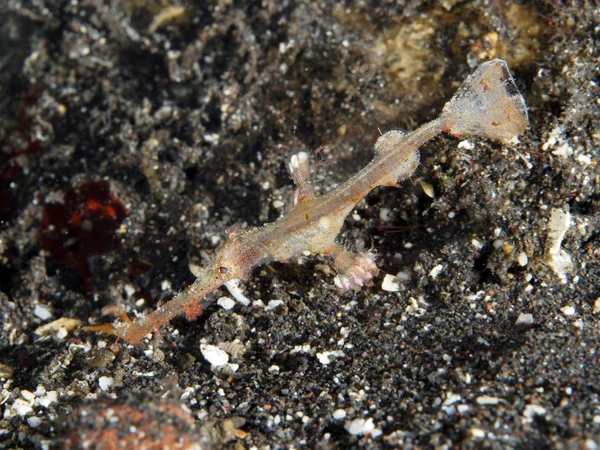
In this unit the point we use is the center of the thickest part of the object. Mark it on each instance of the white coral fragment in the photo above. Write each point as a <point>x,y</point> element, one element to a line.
<point>214,355</point>
<point>390,283</point>
<point>226,303</point>
<point>358,427</point>
<point>556,258</point>
<point>233,286</point>
<point>327,358</point>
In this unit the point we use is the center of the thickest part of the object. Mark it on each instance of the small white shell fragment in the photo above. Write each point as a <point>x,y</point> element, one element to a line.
<point>404,275</point>
<point>487,400</point>
<point>568,310</point>
<point>451,398</point>
<point>233,367</point>
<point>384,214</point>
<point>42,312</point>
<point>214,354</point>
<point>304,348</point>
<point>339,414</point>
<point>556,258</point>
<point>22,407</point>
<point>534,410</point>
<point>358,427</point>
<point>524,319</point>
<point>477,433</point>
<point>28,395</point>
<point>48,399</point>
<point>129,290</point>
<point>226,303</point>
<point>466,145</point>
<point>564,150</point>
<point>274,370</point>
<point>34,422</point>
<point>390,283</point>
<point>105,383</point>
<point>462,409</point>
<point>522,259</point>
<point>233,286</point>
<point>436,271</point>
<point>596,309</point>
<point>327,358</point>
<point>584,159</point>
<point>62,333</point>
<point>273,304</point>
<point>476,243</point>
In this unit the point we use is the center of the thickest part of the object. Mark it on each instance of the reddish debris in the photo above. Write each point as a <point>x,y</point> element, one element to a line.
<point>113,425</point>
<point>84,225</point>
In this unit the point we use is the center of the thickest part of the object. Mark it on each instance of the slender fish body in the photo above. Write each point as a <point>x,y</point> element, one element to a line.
<point>488,104</point>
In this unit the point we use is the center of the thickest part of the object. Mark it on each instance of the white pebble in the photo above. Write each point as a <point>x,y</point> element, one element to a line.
<point>22,407</point>
<point>462,409</point>
<point>524,319</point>
<point>339,414</point>
<point>129,290</point>
<point>226,303</point>
<point>568,310</point>
<point>384,214</point>
<point>477,433</point>
<point>557,258</point>
<point>361,427</point>
<point>48,399</point>
<point>523,259</point>
<point>534,410</point>
<point>273,304</point>
<point>28,395</point>
<point>326,358</point>
<point>233,286</point>
<point>214,354</point>
<point>34,422</point>
<point>487,400</point>
<point>466,145</point>
<point>61,333</point>
<point>390,283</point>
<point>105,383</point>
<point>436,271</point>
<point>42,313</point>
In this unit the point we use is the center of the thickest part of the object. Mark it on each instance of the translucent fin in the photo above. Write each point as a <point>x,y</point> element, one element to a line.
<point>488,104</point>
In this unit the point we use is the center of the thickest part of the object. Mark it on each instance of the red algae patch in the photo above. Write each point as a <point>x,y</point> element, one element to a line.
<point>84,225</point>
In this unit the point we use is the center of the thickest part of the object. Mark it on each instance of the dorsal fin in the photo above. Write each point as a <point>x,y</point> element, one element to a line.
<point>388,142</point>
